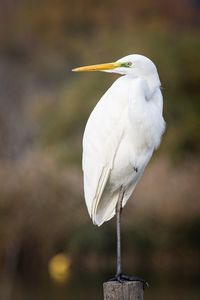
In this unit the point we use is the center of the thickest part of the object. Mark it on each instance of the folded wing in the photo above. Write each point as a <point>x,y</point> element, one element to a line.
<point>101,140</point>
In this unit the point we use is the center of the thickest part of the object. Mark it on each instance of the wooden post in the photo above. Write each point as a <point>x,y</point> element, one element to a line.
<point>128,290</point>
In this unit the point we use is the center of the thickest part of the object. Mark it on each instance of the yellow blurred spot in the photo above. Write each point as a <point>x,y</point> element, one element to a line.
<point>59,268</point>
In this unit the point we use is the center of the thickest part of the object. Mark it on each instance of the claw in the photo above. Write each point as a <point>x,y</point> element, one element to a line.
<point>123,278</point>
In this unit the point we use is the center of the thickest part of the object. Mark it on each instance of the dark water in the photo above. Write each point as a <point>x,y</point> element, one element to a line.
<point>91,288</point>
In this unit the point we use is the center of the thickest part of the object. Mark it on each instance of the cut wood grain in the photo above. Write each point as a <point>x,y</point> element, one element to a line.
<point>129,290</point>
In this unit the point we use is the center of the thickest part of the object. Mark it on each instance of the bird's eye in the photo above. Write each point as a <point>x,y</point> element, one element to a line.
<point>129,64</point>
<point>126,64</point>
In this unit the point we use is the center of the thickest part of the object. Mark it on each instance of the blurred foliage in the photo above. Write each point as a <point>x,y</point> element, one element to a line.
<point>53,36</point>
<point>43,111</point>
<point>63,120</point>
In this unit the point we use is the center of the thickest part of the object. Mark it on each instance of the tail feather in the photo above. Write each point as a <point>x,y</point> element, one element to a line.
<point>101,186</point>
<point>106,208</point>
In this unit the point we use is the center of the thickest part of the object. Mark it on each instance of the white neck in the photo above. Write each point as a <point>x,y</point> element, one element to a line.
<point>153,82</point>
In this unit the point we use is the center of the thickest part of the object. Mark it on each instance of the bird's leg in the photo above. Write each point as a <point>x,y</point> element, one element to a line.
<point>118,225</point>
<point>119,276</point>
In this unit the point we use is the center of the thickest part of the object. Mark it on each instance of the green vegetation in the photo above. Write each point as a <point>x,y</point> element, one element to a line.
<point>63,120</point>
<point>44,109</point>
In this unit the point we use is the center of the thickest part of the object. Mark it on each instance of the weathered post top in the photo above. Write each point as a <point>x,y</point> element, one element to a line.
<point>128,290</point>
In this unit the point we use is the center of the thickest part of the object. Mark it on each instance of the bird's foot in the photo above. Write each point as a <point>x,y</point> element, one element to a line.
<point>123,278</point>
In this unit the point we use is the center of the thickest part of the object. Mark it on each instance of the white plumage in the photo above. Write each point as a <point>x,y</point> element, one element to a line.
<point>121,134</point>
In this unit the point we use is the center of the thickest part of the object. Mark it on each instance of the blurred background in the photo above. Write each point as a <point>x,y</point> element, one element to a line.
<point>49,248</point>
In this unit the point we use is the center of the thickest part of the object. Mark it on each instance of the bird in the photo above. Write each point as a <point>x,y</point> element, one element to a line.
<point>121,134</point>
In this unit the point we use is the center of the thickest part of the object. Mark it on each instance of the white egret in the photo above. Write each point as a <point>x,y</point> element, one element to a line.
<point>120,137</point>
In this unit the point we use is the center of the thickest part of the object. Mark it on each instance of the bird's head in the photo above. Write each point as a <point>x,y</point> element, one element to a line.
<point>135,65</point>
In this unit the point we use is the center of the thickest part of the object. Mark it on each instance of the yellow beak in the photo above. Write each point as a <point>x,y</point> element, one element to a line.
<point>100,67</point>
